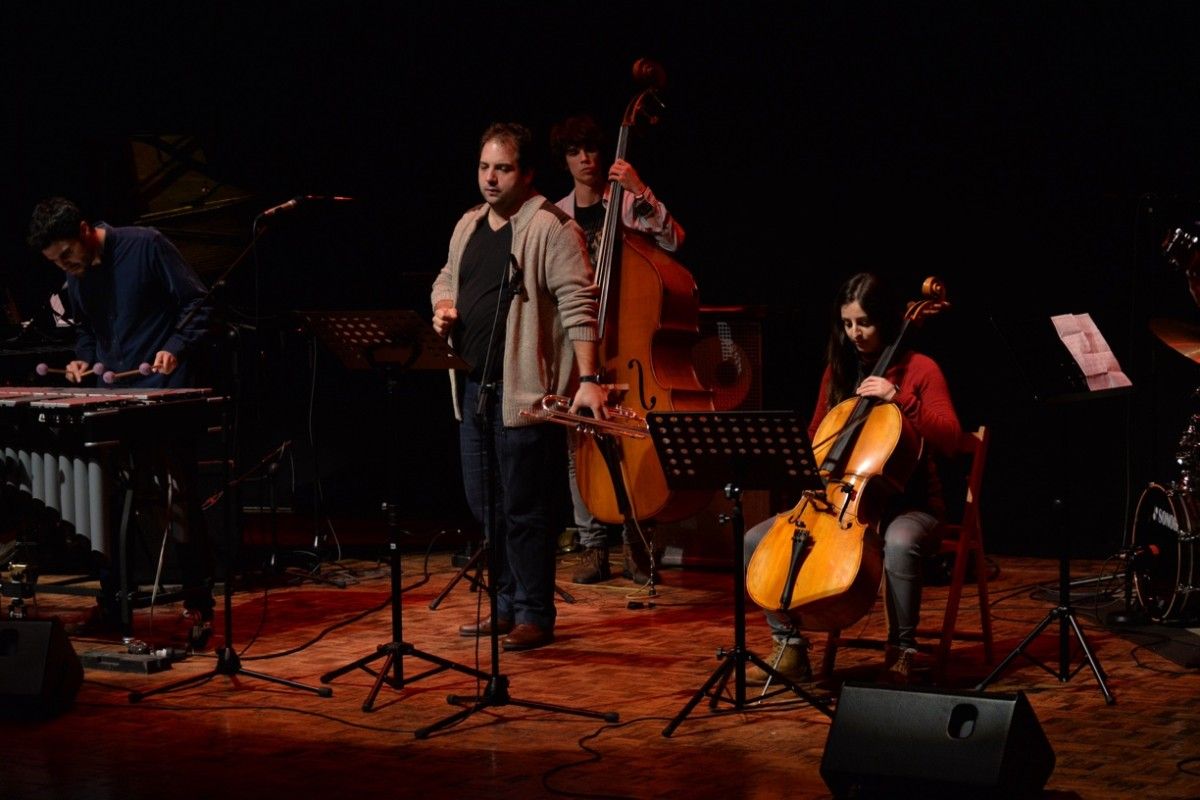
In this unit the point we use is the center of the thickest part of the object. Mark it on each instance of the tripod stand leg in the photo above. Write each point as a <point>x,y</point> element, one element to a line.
<point>319,691</point>
<point>495,695</point>
<point>1008,659</point>
<point>1065,616</point>
<point>721,673</point>
<point>389,656</point>
<point>228,664</point>
<point>476,581</point>
<point>328,677</point>
<point>1091,660</point>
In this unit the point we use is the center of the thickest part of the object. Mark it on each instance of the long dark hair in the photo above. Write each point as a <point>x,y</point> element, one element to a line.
<point>882,307</point>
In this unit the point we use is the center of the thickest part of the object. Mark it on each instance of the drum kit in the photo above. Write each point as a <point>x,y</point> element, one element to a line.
<point>1166,524</point>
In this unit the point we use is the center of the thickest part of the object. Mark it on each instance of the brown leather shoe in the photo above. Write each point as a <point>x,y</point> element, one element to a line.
<point>527,636</point>
<point>484,627</point>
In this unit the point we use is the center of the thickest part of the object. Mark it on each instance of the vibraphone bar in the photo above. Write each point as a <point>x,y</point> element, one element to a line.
<point>64,448</point>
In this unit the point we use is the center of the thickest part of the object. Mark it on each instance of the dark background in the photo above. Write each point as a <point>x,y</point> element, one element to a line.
<point>1032,156</point>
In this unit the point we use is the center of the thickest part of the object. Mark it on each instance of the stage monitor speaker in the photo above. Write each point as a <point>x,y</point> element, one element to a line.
<point>39,671</point>
<point>900,742</point>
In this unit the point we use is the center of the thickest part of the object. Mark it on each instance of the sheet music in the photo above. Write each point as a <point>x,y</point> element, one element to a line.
<point>1090,351</point>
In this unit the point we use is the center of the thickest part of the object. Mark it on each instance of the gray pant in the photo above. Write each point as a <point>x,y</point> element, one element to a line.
<point>907,540</point>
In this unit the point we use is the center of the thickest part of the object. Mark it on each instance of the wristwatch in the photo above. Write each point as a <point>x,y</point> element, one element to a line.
<point>589,378</point>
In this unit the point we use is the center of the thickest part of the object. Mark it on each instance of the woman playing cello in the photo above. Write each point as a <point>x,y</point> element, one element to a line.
<point>866,318</point>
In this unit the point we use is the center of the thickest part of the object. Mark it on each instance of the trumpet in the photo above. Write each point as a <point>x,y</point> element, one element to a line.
<point>621,421</point>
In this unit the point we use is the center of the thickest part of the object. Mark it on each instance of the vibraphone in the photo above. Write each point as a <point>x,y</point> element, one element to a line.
<point>64,447</point>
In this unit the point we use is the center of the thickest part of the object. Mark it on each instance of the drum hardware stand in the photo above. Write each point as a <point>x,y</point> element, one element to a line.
<point>495,693</point>
<point>1132,614</point>
<point>787,464</point>
<point>390,343</point>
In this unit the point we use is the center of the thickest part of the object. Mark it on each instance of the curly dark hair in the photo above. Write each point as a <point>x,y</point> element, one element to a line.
<point>54,219</point>
<point>883,307</point>
<point>519,137</point>
<point>579,131</point>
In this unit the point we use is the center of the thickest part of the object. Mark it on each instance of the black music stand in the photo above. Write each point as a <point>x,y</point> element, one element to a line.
<point>736,450</point>
<point>392,343</point>
<point>1054,380</point>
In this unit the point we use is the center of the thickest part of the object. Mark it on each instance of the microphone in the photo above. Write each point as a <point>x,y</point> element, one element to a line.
<point>1143,553</point>
<point>304,198</point>
<point>516,280</point>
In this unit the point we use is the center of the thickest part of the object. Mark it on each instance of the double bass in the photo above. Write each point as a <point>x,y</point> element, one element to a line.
<point>649,321</point>
<point>823,561</point>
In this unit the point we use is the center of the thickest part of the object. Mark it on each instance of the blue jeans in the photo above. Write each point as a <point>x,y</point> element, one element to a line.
<point>526,465</point>
<point>906,541</point>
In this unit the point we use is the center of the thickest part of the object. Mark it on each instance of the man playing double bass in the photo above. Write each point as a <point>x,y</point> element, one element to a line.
<point>577,142</point>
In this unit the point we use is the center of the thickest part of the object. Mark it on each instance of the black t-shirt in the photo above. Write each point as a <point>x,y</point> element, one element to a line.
<point>483,272</point>
<point>591,219</point>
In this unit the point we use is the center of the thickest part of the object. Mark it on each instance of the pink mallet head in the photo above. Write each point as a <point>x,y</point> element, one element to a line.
<point>42,369</point>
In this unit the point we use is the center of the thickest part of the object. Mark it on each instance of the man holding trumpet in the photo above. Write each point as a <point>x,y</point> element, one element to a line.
<point>517,291</point>
<point>139,312</point>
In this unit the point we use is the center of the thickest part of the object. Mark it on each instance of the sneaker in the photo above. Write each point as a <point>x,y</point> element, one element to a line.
<point>788,659</point>
<point>899,664</point>
<point>593,566</point>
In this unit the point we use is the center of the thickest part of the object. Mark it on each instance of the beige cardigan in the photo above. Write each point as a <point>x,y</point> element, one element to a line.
<point>557,305</point>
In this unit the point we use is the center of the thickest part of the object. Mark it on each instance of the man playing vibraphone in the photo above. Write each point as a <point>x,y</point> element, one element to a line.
<point>135,300</point>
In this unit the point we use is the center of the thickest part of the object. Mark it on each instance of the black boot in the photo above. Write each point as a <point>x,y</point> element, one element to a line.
<point>636,564</point>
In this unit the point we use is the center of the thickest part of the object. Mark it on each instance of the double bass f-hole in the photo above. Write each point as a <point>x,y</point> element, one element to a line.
<point>649,405</point>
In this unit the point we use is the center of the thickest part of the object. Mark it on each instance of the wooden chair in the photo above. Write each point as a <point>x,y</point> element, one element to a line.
<point>965,540</point>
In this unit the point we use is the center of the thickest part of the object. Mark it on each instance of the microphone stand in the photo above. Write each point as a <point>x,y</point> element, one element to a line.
<point>228,661</point>
<point>495,693</point>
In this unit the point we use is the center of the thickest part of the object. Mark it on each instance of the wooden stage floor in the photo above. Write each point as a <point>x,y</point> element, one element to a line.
<point>243,737</point>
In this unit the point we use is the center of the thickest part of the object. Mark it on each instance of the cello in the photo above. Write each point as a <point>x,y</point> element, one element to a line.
<point>823,561</point>
<point>649,320</point>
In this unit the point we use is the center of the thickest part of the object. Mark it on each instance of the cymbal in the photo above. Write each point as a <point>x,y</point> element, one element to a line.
<point>1182,337</point>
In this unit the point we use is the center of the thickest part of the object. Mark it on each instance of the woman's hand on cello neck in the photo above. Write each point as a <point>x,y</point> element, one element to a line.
<point>878,387</point>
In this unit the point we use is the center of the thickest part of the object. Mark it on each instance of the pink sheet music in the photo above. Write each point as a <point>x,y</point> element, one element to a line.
<point>1090,351</point>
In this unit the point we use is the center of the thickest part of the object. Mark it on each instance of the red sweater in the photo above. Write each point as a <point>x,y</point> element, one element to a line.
<point>924,399</point>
